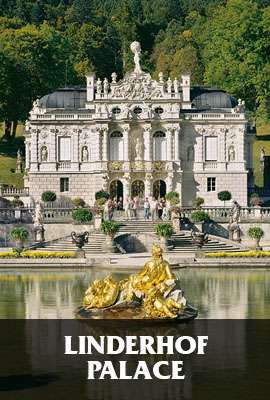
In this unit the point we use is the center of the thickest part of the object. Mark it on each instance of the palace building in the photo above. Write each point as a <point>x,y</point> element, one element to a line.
<point>138,136</point>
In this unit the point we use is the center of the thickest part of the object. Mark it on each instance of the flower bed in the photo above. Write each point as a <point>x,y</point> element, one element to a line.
<point>239,254</point>
<point>38,254</point>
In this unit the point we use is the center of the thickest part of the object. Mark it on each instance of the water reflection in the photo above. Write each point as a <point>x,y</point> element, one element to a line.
<point>52,294</point>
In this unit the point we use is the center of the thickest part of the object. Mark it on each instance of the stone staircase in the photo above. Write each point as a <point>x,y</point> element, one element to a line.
<point>182,241</point>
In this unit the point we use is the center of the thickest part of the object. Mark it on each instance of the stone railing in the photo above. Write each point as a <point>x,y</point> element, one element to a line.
<point>63,165</point>
<point>215,116</point>
<point>61,117</point>
<point>64,214</point>
<point>11,191</point>
<point>221,214</point>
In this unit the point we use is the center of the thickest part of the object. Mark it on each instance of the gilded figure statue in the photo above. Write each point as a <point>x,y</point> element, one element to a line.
<point>153,293</point>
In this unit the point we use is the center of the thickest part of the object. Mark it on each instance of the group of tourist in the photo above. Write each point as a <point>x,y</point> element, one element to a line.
<point>153,209</point>
<point>111,206</point>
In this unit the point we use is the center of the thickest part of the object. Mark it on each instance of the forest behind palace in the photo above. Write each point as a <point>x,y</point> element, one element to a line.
<point>49,44</point>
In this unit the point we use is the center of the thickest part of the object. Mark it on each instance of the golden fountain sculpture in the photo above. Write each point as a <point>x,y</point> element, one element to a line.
<point>153,293</point>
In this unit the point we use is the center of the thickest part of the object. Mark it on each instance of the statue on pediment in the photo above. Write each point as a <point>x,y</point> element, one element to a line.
<point>135,47</point>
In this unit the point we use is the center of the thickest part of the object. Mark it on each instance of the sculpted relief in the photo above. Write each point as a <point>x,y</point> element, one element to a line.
<point>137,87</point>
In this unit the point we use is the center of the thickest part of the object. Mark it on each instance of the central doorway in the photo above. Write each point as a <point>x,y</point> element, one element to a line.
<point>116,189</point>
<point>159,189</point>
<point>137,189</point>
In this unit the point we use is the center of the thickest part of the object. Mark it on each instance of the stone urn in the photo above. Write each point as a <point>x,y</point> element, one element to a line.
<point>109,245</point>
<point>199,239</point>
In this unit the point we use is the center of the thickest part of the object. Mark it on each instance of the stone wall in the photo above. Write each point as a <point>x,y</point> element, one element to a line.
<point>83,185</point>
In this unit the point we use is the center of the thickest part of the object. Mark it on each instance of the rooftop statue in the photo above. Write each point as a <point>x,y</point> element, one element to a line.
<point>135,47</point>
<point>153,293</point>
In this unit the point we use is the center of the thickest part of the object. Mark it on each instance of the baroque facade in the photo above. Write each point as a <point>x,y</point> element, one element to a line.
<point>138,136</point>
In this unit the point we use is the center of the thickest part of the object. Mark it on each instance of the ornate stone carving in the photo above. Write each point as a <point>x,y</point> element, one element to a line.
<point>231,153</point>
<point>138,150</point>
<point>85,154</point>
<point>135,47</point>
<point>44,154</point>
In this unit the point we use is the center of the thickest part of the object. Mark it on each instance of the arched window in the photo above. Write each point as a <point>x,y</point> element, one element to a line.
<point>190,153</point>
<point>160,146</point>
<point>116,146</point>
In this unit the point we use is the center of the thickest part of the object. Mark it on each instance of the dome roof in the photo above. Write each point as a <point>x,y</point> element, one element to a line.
<point>211,98</point>
<point>67,98</point>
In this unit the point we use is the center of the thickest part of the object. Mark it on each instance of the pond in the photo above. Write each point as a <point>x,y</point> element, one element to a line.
<point>55,294</point>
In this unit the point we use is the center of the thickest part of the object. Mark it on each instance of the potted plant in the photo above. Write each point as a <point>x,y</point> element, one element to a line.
<point>19,235</point>
<point>82,215</point>
<point>173,198</point>
<point>78,202</point>
<point>48,197</point>
<point>256,233</point>
<point>109,228</point>
<point>164,232</point>
<point>199,217</point>
<point>198,202</point>
<point>224,196</point>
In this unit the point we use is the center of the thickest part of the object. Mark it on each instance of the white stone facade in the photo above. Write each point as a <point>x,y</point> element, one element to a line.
<point>137,136</point>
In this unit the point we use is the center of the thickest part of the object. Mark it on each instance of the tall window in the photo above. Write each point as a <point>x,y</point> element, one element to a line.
<point>116,146</point>
<point>64,185</point>
<point>160,146</point>
<point>211,148</point>
<point>64,149</point>
<point>211,184</point>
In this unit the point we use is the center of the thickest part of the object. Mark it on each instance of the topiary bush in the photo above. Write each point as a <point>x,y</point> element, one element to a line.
<point>101,194</point>
<point>48,196</point>
<point>198,202</point>
<point>173,198</point>
<point>164,230</point>
<point>256,232</point>
<point>78,202</point>
<point>200,216</point>
<point>82,215</point>
<point>110,228</point>
<point>224,195</point>
<point>19,234</point>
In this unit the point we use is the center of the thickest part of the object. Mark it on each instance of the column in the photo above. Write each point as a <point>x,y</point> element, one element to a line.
<point>198,150</point>
<point>105,144</point>
<point>75,150</point>
<point>27,158</point>
<point>169,182</point>
<point>222,149</point>
<point>169,143</point>
<point>176,144</point>
<point>126,187</point>
<point>34,150</point>
<point>126,142</point>
<point>148,185</point>
<point>147,143</point>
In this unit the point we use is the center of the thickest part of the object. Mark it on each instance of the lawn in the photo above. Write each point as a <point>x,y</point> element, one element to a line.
<point>8,154</point>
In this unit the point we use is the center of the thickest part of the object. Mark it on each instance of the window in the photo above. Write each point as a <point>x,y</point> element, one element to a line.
<point>64,149</point>
<point>116,110</point>
<point>211,184</point>
<point>116,146</point>
<point>137,110</point>
<point>64,185</point>
<point>160,146</point>
<point>211,148</point>
<point>159,110</point>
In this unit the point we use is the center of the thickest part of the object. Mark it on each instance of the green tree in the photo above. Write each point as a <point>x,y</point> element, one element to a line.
<point>236,53</point>
<point>35,64</point>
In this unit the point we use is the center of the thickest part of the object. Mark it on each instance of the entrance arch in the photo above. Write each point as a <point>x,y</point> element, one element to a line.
<point>159,189</point>
<point>116,189</point>
<point>137,189</point>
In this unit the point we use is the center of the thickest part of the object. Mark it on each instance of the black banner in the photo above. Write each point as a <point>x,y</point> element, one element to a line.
<point>34,367</point>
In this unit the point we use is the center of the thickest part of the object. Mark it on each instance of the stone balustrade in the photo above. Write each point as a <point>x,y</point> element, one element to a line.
<point>64,214</point>
<point>215,116</point>
<point>6,191</point>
